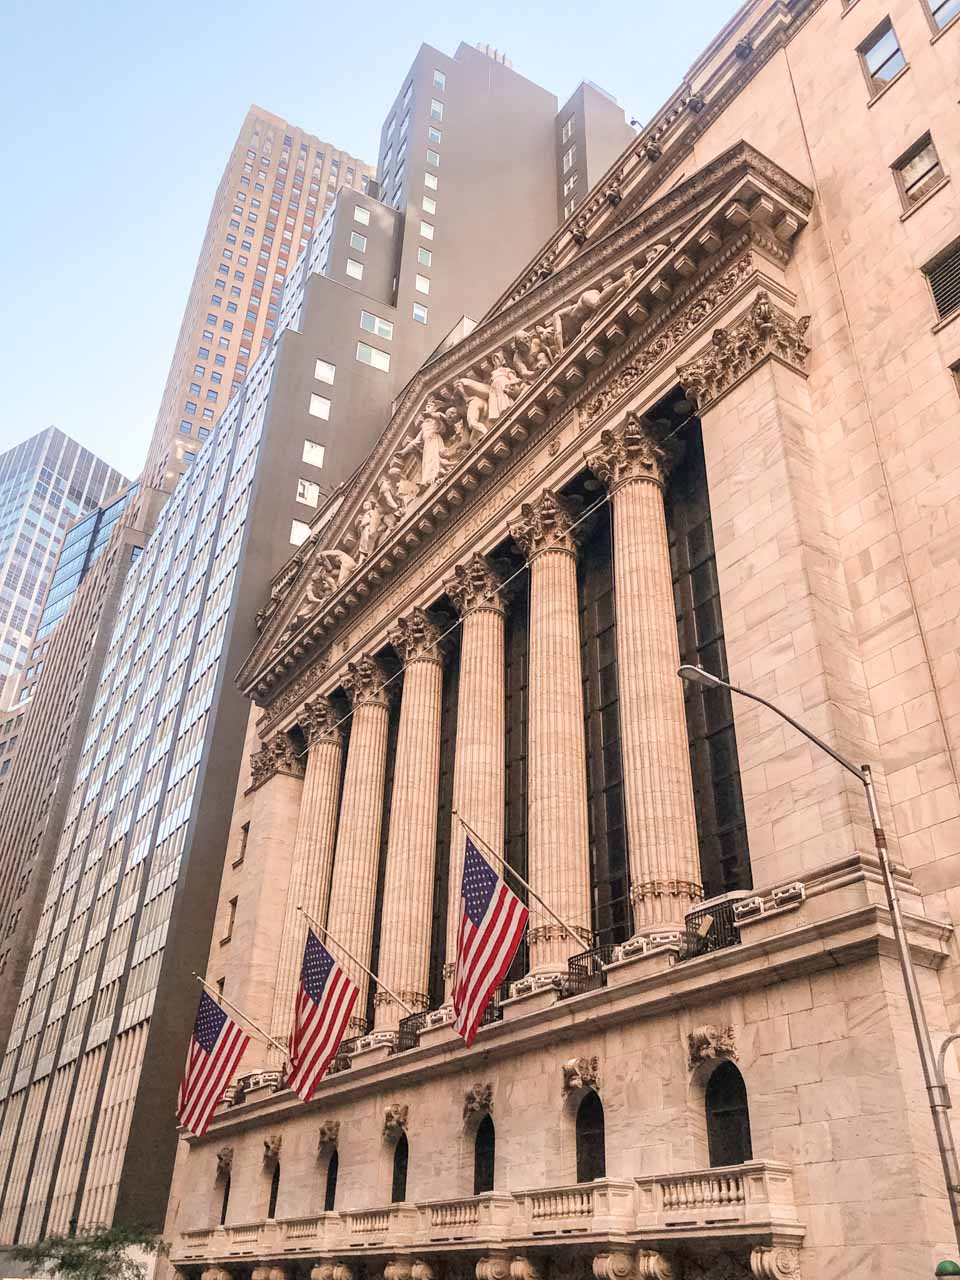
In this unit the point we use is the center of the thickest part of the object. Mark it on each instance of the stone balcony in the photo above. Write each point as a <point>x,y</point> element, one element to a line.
<point>752,1202</point>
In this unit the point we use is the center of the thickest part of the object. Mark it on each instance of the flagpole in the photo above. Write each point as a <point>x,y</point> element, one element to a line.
<point>223,1000</point>
<point>369,972</point>
<point>532,892</point>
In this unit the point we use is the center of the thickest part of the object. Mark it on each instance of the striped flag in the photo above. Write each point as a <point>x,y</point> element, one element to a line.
<point>215,1050</point>
<point>325,1000</point>
<point>491,925</point>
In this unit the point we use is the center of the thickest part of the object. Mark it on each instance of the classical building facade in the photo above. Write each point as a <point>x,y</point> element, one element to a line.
<point>713,422</point>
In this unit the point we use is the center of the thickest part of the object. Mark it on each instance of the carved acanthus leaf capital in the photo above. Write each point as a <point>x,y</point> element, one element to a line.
<point>319,720</point>
<point>474,585</point>
<point>416,637</point>
<point>276,755</point>
<point>364,682</point>
<point>733,352</point>
<point>631,452</point>
<point>544,525</point>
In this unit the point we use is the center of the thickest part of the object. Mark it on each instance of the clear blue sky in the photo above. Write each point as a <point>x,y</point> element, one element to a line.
<point>119,117</point>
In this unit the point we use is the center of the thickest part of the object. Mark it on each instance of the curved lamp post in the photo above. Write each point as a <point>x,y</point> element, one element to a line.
<point>937,1092</point>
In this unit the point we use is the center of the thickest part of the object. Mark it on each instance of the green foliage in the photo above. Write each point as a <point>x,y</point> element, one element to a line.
<point>95,1253</point>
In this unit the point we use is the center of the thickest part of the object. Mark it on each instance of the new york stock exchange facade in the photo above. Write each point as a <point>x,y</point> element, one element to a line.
<point>487,625</point>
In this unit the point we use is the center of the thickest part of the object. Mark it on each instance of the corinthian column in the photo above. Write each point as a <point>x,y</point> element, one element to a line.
<point>661,820</point>
<point>412,845</point>
<point>558,839</point>
<point>478,768</point>
<point>354,886</point>
<point>312,853</point>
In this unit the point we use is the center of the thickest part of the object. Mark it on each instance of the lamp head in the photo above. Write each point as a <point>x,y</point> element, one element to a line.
<point>697,675</point>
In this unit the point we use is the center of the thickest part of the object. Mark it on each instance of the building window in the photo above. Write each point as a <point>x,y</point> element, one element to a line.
<point>274,1191</point>
<point>941,12</point>
<point>439,80</point>
<point>420,313</point>
<point>370,355</point>
<point>570,183</point>
<point>424,257</point>
<point>242,851</point>
<point>881,56</point>
<point>569,207</point>
<point>313,453</point>
<point>435,135</point>
<point>566,133</point>
<point>361,215</point>
<point>330,1190</point>
<point>430,181</point>
<point>943,273</point>
<point>324,371</point>
<point>299,532</point>
<point>422,284</point>
<point>319,406</point>
<point>427,230</point>
<point>428,204</point>
<point>231,920</point>
<point>728,1118</point>
<point>433,157</point>
<point>436,110</point>
<point>308,492</point>
<point>401,1156</point>
<point>190,407</point>
<point>918,170</point>
<point>591,1140</point>
<point>484,1153</point>
<point>186,428</point>
<point>225,1200</point>
<point>376,324</point>
<point>354,269</point>
<point>358,242</point>
<point>568,158</point>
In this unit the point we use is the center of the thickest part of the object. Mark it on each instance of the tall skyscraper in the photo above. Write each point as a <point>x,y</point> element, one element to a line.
<point>45,484</point>
<point>275,188</point>
<point>89,1076</point>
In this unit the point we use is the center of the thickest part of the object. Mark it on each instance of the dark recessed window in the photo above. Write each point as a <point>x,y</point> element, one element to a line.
<point>483,1157</point>
<point>918,170</point>
<point>400,1157</point>
<point>881,56</point>
<point>728,1118</point>
<point>330,1191</point>
<point>591,1139</point>
<point>274,1191</point>
<point>941,12</point>
<point>943,272</point>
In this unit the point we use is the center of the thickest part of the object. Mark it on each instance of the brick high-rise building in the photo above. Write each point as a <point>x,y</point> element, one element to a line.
<point>276,186</point>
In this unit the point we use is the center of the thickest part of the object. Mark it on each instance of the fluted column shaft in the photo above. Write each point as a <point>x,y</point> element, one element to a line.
<point>558,828</point>
<point>661,819</point>
<point>479,766</point>
<point>354,886</point>
<point>411,848</point>
<point>312,855</point>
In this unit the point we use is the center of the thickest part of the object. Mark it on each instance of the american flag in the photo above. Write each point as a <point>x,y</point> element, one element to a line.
<point>325,1000</point>
<point>215,1050</point>
<point>491,925</point>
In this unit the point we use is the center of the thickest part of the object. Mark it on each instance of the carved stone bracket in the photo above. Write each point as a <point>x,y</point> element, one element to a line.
<point>581,1073</point>
<point>544,525</point>
<point>215,1273</point>
<point>615,1266</point>
<point>652,1265</point>
<point>494,1267</point>
<point>331,1271</point>
<point>364,682</point>
<point>398,1269</point>
<point>631,452</point>
<point>327,1135</point>
<point>734,352</point>
<point>777,1263</point>
<point>422,1270</point>
<point>276,755</point>
<point>522,1268</point>
<point>416,636</point>
<point>395,1119</point>
<point>318,720</point>
<point>224,1162</point>
<point>708,1042</point>
<point>477,1100</point>
<point>474,585</point>
<point>271,1149</point>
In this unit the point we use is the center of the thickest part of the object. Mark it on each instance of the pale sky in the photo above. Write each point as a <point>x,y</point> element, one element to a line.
<point>120,117</point>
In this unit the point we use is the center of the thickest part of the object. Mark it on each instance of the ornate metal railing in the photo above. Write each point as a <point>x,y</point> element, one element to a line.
<point>408,1032</point>
<point>585,972</point>
<point>710,928</point>
<point>493,1012</point>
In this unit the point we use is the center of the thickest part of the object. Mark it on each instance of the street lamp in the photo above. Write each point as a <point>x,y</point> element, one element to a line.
<point>937,1092</point>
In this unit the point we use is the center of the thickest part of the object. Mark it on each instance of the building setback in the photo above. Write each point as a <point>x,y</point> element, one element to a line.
<point>88,1081</point>
<point>45,483</point>
<point>712,421</point>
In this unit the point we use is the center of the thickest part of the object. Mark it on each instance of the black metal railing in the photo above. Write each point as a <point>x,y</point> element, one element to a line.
<point>710,928</point>
<point>408,1032</point>
<point>585,972</point>
<point>344,1053</point>
<point>493,1012</point>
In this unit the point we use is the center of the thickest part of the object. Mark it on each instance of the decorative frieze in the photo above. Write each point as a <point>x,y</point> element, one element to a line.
<point>545,525</point>
<point>580,1073</point>
<point>735,351</point>
<point>709,1042</point>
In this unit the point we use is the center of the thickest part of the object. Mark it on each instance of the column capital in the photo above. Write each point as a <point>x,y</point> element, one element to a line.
<point>319,721</point>
<point>364,682</point>
<point>544,525</point>
<point>475,584</point>
<point>631,452</point>
<point>415,637</point>
<point>275,755</point>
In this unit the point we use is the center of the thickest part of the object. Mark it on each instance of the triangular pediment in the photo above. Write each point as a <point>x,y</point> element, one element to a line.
<point>460,416</point>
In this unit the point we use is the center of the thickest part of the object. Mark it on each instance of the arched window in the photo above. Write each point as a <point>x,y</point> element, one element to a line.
<point>274,1191</point>
<point>591,1152</point>
<point>728,1117</point>
<point>400,1157</point>
<point>330,1194</point>
<point>226,1200</point>
<point>483,1156</point>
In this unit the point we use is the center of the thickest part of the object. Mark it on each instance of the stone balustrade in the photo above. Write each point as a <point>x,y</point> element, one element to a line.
<point>753,1200</point>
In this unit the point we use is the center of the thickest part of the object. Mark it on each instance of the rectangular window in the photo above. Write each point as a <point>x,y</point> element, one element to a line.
<point>358,242</point>
<point>370,355</point>
<point>308,492</point>
<point>190,407</point>
<point>299,532</point>
<point>570,183</point>
<point>917,171</point>
<point>354,269</point>
<point>186,427</point>
<point>424,257</point>
<point>566,133</point>
<point>434,134</point>
<point>569,207</point>
<point>376,324</point>
<point>420,313</point>
<point>194,388</point>
<point>430,181</point>
<point>313,453</point>
<point>944,276</point>
<point>942,11</point>
<point>212,395</point>
<point>428,204</point>
<point>207,415</point>
<point>422,284</point>
<point>568,158</point>
<point>433,157</point>
<point>362,215</point>
<point>427,230</point>
<point>439,80</point>
<point>319,406</point>
<point>436,109</point>
<point>324,371</point>
<point>881,56</point>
